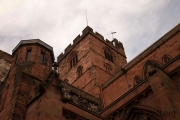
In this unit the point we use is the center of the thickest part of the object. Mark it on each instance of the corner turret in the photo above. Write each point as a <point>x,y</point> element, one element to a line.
<point>37,53</point>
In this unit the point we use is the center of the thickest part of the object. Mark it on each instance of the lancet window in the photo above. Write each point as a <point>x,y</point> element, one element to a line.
<point>73,59</point>
<point>109,55</point>
<point>79,71</point>
<point>42,58</point>
<point>28,54</point>
<point>108,68</point>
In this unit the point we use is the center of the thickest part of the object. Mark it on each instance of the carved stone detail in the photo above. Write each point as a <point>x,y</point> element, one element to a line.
<point>73,97</point>
<point>66,95</point>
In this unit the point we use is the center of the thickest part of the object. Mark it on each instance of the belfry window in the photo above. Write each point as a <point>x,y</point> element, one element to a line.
<point>42,58</point>
<point>108,55</point>
<point>79,71</point>
<point>28,54</point>
<point>73,60</point>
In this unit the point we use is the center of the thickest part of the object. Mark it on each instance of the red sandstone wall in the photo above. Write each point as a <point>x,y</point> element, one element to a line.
<point>5,56</point>
<point>49,106</point>
<point>39,70</point>
<point>90,52</point>
<point>6,87</point>
<point>9,100</point>
<point>64,68</point>
<point>119,86</point>
<point>34,110</point>
<point>146,100</point>
<point>86,63</point>
<point>102,75</point>
<point>98,47</point>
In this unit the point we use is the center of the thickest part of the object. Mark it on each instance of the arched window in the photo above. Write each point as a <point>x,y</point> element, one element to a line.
<point>73,59</point>
<point>42,58</point>
<point>166,58</point>
<point>79,71</point>
<point>108,54</point>
<point>108,68</point>
<point>28,54</point>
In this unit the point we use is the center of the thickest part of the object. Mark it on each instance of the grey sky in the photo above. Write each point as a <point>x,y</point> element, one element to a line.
<point>138,23</point>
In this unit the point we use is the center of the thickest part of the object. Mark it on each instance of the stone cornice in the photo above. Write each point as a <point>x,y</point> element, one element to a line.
<point>80,92</point>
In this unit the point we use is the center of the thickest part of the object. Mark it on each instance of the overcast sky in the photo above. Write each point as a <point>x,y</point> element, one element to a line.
<point>138,23</point>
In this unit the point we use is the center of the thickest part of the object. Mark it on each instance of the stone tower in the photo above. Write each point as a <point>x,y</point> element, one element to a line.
<point>37,53</point>
<point>90,61</point>
<point>31,63</point>
<point>93,81</point>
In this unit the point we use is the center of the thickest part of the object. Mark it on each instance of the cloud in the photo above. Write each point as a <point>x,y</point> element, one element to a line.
<point>57,23</point>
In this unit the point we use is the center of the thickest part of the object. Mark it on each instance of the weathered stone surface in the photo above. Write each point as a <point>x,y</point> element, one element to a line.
<point>91,81</point>
<point>4,69</point>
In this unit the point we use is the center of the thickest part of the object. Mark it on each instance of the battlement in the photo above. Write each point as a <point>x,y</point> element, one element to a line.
<point>115,44</point>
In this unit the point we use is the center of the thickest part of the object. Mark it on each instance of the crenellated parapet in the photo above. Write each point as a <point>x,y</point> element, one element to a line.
<point>114,44</point>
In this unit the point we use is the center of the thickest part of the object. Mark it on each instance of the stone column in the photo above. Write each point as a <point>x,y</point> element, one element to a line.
<point>166,93</point>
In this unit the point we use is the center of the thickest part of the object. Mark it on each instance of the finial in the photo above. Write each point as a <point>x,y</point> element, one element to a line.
<point>86,18</point>
<point>112,34</point>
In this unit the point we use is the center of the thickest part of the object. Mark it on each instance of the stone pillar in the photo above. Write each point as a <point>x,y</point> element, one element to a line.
<point>166,93</point>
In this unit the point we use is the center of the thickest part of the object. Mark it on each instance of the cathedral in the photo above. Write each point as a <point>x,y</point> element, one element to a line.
<point>91,80</point>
